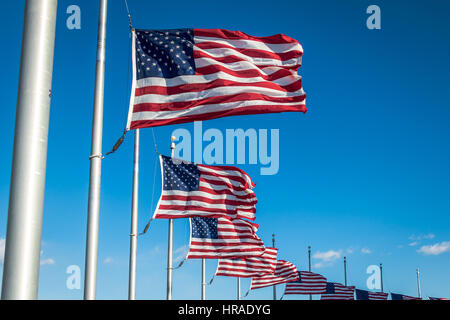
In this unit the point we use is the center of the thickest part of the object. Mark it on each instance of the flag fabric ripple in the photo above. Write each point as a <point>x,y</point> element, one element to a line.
<point>213,238</point>
<point>185,75</point>
<point>197,190</point>
<point>308,283</point>
<point>249,267</point>
<point>284,272</point>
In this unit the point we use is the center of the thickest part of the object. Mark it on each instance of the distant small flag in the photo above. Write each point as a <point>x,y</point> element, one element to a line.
<point>197,190</point>
<point>370,295</point>
<point>337,291</point>
<point>184,75</point>
<point>396,296</point>
<point>213,238</point>
<point>284,272</point>
<point>434,298</point>
<point>249,267</point>
<point>308,283</point>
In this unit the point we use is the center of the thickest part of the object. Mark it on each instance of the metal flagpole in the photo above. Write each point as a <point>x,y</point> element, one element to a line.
<point>169,246</point>
<point>418,283</point>
<point>239,288</point>
<point>345,271</point>
<point>26,198</point>
<point>90,280</point>
<point>203,280</point>
<point>134,220</point>
<point>274,287</point>
<point>381,276</point>
<point>309,265</point>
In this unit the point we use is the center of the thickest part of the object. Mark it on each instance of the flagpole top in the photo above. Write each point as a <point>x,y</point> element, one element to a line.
<point>172,144</point>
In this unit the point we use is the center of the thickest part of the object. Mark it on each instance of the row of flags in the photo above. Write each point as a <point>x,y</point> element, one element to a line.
<point>220,203</point>
<point>185,75</point>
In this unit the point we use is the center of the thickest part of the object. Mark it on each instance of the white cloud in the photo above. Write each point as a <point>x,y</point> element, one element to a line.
<point>327,258</point>
<point>414,243</point>
<point>108,260</point>
<point>436,248</point>
<point>2,250</point>
<point>366,251</point>
<point>318,265</point>
<point>180,253</point>
<point>421,237</point>
<point>44,262</point>
<point>48,261</point>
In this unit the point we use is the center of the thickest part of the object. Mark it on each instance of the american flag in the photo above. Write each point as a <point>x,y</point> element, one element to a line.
<point>337,291</point>
<point>308,283</point>
<point>190,190</point>
<point>284,272</point>
<point>184,75</point>
<point>370,295</point>
<point>434,298</point>
<point>213,238</point>
<point>249,267</point>
<point>396,296</point>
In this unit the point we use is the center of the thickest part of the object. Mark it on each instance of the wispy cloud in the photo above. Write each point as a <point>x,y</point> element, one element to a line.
<point>108,260</point>
<point>366,251</point>
<point>421,237</point>
<point>326,258</point>
<point>48,261</point>
<point>43,262</point>
<point>435,249</point>
<point>414,243</point>
<point>180,253</point>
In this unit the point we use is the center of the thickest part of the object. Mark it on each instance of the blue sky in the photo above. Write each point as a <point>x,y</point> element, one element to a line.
<point>365,173</point>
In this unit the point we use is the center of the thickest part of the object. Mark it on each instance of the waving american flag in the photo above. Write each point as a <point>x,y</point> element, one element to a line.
<point>370,295</point>
<point>337,291</point>
<point>213,238</point>
<point>396,296</point>
<point>249,267</point>
<point>197,190</point>
<point>284,272</point>
<point>308,283</point>
<point>183,75</point>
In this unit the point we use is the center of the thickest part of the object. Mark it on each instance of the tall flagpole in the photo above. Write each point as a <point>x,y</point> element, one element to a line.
<point>169,245</point>
<point>309,265</point>
<point>203,280</point>
<point>26,198</point>
<point>90,279</point>
<point>238,288</point>
<point>274,287</point>
<point>345,271</point>
<point>134,220</point>
<point>381,276</point>
<point>418,283</point>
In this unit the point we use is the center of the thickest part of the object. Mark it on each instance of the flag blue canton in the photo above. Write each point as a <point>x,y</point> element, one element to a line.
<point>179,175</point>
<point>330,288</point>
<point>164,53</point>
<point>395,296</point>
<point>204,228</point>
<point>362,294</point>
